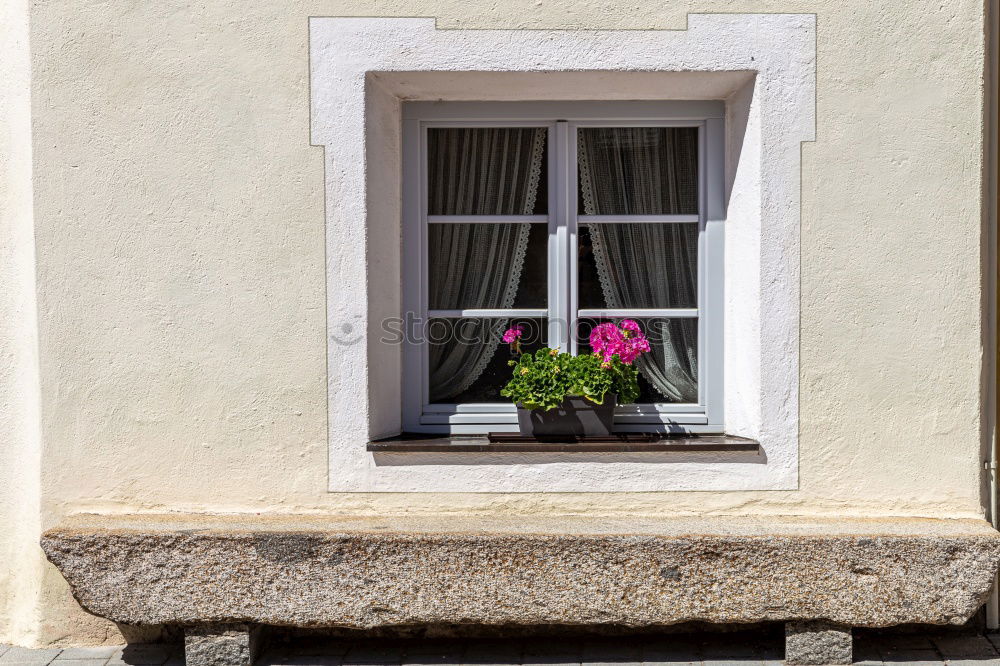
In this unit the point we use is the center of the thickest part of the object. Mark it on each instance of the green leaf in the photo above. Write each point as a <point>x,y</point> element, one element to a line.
<point>543,380</point>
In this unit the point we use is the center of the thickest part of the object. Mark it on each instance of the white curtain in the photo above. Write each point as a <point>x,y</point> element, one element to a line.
<point>476,171</point>
<point>646,171</point>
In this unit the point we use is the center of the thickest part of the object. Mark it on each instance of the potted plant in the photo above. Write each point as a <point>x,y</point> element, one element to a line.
<point>558,394</point>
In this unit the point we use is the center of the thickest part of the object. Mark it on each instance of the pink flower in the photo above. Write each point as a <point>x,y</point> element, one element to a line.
<point>631,327</point>
<point>606,339</point>
<point>632,348</point>
<point>626,342</point>
<point>513,334</point>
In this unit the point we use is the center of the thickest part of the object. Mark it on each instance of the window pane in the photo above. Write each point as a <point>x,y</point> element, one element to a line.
<point>486,171</point>
<point>638,170</point>
<point>643,265</point>
<point>669,371</point>
<point>497,266</point>
<point>467,360</point>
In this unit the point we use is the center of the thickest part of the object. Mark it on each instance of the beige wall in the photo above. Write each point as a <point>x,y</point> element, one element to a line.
<point>20,562</point>
<point>178,220</point>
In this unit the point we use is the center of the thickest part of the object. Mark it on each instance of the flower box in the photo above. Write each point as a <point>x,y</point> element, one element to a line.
<point>576,416</point>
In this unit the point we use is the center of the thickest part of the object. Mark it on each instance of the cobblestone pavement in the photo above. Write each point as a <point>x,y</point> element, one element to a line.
<point>736,649</point>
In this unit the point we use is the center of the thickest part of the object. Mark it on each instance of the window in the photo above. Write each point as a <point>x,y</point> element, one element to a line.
<point>558,216</point>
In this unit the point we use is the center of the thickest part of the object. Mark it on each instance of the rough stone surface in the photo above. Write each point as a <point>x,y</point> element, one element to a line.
<point>369,572</point>
<point>817,642</point>
<point>218,645</point>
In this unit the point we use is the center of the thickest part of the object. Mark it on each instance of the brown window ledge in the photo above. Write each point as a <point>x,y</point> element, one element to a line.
<point>512,443</point>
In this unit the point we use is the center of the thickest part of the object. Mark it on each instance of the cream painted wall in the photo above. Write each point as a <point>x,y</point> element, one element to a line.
<point>21,565</point>
<point>178,220</point>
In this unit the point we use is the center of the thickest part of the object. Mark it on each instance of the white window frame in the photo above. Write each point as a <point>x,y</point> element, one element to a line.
<point>562,119</point>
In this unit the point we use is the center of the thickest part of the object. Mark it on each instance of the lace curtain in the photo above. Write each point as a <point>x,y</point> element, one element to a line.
<point>476,171</point>
<point>647,171</point>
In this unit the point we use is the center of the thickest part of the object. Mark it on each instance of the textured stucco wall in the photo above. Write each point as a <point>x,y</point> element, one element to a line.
<point>179,231</point>
<point>21,566</point>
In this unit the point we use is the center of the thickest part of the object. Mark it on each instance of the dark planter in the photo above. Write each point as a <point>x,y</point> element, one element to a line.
<point>576,416</point>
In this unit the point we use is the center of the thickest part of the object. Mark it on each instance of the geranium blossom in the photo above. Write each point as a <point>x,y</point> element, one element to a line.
<point>632,348</point>
<point>626,342</point>
<point>630,326</point>
<point>512,334</point>
<point>606,339</point>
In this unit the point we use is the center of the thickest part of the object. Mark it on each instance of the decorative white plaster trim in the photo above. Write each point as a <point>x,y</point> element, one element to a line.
<point>362,68</point>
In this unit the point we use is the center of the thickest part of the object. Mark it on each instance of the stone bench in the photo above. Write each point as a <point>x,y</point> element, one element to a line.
<point>222,576</point>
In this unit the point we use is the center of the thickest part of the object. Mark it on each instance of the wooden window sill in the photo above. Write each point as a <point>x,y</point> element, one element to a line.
<point>624,443</point>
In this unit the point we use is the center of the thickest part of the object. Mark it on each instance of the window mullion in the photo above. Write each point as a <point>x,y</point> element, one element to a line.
<point>560,196</point>
<point>572,224</point>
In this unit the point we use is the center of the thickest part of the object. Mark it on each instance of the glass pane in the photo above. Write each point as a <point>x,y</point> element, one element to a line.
<point>486,171</point>
<point>467,359</point>
<point>643,265</point>
<point>638,170</point>
<point>496,266</point>
<point>669,371</point>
